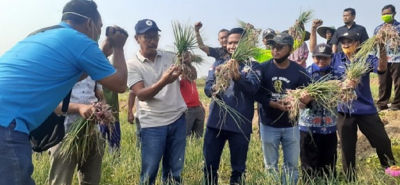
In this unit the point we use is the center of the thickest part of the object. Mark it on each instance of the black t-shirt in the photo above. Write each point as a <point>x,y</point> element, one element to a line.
<point>218,53</point>
<point>273,87</point>
<point>341,30</point>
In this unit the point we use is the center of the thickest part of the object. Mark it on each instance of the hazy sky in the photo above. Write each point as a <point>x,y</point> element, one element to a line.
<point>20,17</point>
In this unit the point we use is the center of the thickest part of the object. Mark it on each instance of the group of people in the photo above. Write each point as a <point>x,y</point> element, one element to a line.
<point>38,72</point>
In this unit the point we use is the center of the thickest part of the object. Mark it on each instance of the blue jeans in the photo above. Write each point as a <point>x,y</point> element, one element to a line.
<point>166,142</point>
<point>16,165</point>
<point>290,139</point>
<point>214,142</point>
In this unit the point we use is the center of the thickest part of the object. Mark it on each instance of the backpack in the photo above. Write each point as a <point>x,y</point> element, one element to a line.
<point>51,131</point>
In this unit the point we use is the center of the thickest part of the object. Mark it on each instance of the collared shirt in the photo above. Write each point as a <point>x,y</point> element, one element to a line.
<point>392,55</point>
<point>239,96</point>
<point>39,71</point>
<point>168,104</point>
<point>341,30</point>
<point>218,53</point>
<point>315,118</point>
<point>364,104</point>
<point>300,55</point>
<point>274,85</point>
<point>83,92</point>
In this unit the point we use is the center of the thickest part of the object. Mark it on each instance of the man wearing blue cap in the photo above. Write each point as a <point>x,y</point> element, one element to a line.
<point>153,76</point>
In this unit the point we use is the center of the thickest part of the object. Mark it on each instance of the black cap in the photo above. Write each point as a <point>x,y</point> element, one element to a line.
<point>323,50</point>
<point>350,35</point>
<point>281,39</point>
<point>145,25</point>
<point>268,32</point>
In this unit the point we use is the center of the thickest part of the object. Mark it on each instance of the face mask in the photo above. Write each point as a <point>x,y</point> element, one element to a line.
<point>349,51</point>
<point>387,18</point>
<point>281,60</point>
<point>320,69</point>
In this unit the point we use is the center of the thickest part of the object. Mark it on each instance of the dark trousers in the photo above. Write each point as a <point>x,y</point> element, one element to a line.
<point>372,127</point>
<point>214,141</point>
<point>195,121</point>
<point>391,76</point>
<point>318,154</point>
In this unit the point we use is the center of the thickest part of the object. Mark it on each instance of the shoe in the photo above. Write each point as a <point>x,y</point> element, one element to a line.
<point>382,108</point>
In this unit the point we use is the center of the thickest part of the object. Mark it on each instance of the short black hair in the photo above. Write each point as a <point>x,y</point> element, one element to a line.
<point>223,30</point>
<point>351,10</point>
<point>237,31</point>
<point>391,7</point>
<point>86,8</point>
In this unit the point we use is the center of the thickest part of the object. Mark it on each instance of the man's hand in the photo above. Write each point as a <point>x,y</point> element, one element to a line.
<point>305,98</point>
<point>280,105</point>
<point>117,37</point>
<point>85,110</point>
<point>349,84</point>
<point>234,67</point>
<point>171,74</point>
<point>131,117</point>
<point>316,23</point>
<point>197,26</point>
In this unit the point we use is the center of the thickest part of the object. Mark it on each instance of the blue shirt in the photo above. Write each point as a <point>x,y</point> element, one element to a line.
<point>392,55</point>
<point>315,118</point>
<point>239,96</point>
<point>39,71</point>
<point>274,84</point>
<point>364,104</point>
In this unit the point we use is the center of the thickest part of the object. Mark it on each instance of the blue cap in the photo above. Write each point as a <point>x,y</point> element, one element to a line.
<point>145,25</point>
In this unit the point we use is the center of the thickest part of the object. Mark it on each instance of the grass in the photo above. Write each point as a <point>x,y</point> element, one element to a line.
<point>125,168</point>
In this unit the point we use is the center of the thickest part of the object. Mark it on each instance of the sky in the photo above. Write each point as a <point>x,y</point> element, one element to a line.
<point>20,17</point>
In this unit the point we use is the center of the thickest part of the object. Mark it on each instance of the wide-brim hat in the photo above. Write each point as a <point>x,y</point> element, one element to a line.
<point>322,31</point>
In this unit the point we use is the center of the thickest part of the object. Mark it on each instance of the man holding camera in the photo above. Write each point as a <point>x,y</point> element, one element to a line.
<point>38,72</point>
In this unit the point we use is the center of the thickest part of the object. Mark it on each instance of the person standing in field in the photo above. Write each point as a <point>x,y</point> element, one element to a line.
<point>50,64</point>
<point>153,77</point>
<point>195,113</point>
<point>277,76</point>
<point>240,97</point>
<point>361,113</point>
<point>391,77</point>
<point>349,14</point>
<point>217,53</point>
<point>318,140</point>
<point>83,95</point>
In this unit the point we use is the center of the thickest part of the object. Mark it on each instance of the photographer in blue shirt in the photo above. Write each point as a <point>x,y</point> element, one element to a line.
<point>39,71</point>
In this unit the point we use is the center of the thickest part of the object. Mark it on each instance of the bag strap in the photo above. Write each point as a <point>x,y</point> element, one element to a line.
<point>65,103</point>
<point>45,29</point>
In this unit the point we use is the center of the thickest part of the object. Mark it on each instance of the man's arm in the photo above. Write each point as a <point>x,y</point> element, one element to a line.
<point>115,43</point>
<point>131,104</point>
<point>84,110</point>
<point>313,37</point>
<point>145,93</point>
<point>200,43</point>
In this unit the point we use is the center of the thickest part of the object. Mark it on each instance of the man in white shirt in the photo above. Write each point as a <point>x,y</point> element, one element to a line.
<point>153,79</point>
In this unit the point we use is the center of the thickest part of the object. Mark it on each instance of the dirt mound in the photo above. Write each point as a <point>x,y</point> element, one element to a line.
<point>391,120</point>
